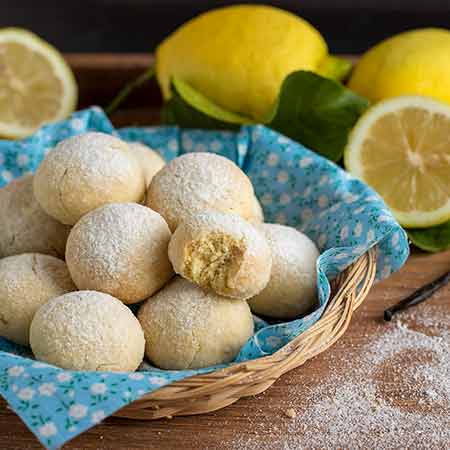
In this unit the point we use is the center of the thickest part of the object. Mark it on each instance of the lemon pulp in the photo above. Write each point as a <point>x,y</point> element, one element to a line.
<point>401,147</point>
<point>36,84</point>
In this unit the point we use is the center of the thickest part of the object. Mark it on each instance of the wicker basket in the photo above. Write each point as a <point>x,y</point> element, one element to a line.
<point>203,393</point>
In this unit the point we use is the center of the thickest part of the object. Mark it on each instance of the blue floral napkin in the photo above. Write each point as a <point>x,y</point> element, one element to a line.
<point>295,186</point>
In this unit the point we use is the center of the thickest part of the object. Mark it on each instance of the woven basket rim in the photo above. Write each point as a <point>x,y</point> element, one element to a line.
<point>208,392</point>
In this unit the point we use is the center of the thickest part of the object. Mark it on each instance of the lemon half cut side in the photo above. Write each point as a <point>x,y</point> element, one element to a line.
<point>36,84</point>
<point>401,147</point>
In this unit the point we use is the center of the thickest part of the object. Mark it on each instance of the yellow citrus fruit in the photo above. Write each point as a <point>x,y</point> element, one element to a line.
<point>36,84</point>
<point>238,56</point>
<point>412,63</point>
<point>401,147</point>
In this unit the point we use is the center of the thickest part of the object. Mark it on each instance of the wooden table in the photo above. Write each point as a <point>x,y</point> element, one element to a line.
<point>260,420</point>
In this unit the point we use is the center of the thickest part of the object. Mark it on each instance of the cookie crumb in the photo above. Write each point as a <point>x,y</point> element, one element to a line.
<point>290,412</point>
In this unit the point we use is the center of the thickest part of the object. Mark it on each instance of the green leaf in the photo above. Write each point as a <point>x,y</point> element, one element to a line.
<point>311,109</point>
<point>433,239</point>
<point>189,108</point>
<point>206,106</point>
<point>317,112</point>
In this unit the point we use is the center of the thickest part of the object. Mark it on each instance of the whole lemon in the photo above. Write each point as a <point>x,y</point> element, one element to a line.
<point>415,62</point>
<point>238,56</point>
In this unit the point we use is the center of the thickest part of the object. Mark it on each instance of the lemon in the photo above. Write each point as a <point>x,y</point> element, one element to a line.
<point>36,84</point>
<point>335,68</point>
<point>412,63</point>
<point>401,147</point>
<point>238,56</point>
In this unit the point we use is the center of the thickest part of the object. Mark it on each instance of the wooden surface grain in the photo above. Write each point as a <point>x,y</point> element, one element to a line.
<point>262,418</point>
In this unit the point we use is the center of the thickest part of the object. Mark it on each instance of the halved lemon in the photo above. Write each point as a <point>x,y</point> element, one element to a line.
<point>36,84</point>
<point>401,147</point>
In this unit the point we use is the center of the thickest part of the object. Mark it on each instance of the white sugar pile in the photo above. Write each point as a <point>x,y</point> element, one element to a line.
<point>395,393</point>
<point>412,411</point>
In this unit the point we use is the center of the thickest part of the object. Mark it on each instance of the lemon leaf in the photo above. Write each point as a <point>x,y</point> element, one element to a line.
<point>190,109</point>
<point>317,112</point>
<point>311,109</point>
<point>433,239</point>
<point>178,112</point>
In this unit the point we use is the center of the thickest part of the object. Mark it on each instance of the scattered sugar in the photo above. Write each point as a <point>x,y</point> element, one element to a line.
<point>392,393</point>
<point>290,412</point>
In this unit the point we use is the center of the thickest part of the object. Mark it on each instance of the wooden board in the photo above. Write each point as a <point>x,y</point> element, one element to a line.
<point>260,421</point>
<point>100,77</point>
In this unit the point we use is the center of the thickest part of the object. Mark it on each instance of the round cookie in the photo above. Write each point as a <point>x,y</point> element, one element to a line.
<point>196,182</point>
<point>27,282</point>
<point>221,252</point>
<point>84,172</point>
<point>87,330</point>
<point>186,327</point>
<point>25,226</point>
<point>150,161</point>
<point>257,215</point>
<point>120,249</point>
<point>291,290</point>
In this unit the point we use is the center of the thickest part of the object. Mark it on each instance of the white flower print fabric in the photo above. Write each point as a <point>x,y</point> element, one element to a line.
<point>295,186</point>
